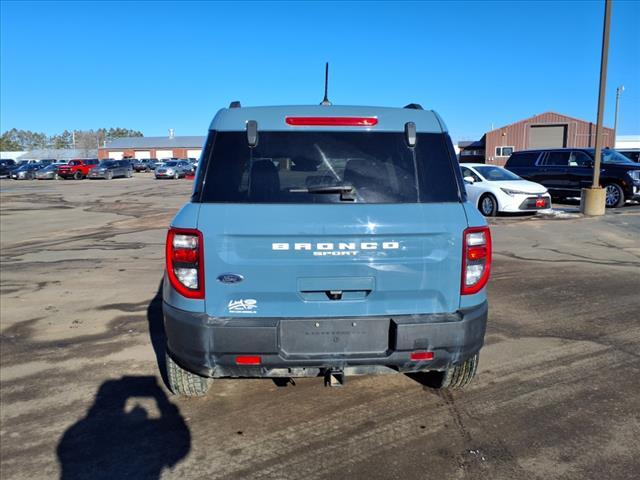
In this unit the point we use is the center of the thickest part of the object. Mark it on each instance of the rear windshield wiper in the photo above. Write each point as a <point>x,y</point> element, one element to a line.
<point>347,192</point>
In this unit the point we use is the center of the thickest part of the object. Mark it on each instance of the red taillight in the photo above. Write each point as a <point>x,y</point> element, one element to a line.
<point>417,356</point>
<point>477,253</point>
<point>185,256</point>
<point>332,121</point>
<point>185,262</point>
<point>248,360</point>
<point>476,259</point>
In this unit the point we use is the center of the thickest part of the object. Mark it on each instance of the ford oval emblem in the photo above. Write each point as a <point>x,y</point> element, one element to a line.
<point>230,278</point>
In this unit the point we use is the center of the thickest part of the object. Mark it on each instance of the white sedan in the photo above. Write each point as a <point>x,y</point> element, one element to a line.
<point>495,189</point>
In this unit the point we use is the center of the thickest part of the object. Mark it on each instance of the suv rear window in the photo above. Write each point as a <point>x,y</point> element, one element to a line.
<point>321,167</point>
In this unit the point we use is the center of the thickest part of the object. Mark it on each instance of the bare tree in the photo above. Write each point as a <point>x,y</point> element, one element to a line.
<point>87,142</point>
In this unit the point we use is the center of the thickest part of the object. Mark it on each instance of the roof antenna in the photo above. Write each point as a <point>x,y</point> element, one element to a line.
<point>325,100</point>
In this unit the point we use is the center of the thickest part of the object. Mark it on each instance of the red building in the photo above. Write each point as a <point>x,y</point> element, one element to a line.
<point>547,130</point>
<point>153,147</point>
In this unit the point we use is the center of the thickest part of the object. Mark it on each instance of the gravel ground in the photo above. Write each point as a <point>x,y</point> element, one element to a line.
<point>557,394</point>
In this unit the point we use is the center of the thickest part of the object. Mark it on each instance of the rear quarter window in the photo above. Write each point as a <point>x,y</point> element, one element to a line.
<point>307,167</point>
<point>524,159</point>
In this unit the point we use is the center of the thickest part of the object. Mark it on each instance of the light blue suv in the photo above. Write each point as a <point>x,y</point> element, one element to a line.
<point>326,241</point>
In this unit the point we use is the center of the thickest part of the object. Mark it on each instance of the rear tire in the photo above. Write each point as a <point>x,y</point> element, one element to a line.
<point>614,196</point>
<point>77,175</point>
<point>488,205</point>
<point>185,383</point>
<point>459,376</point>
<point>456,377</point>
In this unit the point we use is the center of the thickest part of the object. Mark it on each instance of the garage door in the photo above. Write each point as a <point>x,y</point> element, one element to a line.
<point>194,153</point>
<point>142,154</point>
<point>116,155</point>
<point>160,154</point>
<point>547,136</point>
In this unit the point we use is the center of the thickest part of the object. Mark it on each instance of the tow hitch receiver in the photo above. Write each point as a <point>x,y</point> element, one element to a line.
<point>333,378</point>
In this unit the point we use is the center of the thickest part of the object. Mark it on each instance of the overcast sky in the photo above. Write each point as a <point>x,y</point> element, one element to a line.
<point>153,66</point>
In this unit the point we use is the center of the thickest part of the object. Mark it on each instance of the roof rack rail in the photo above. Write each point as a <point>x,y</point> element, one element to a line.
<point>414,106</point>
<point>235,104</point>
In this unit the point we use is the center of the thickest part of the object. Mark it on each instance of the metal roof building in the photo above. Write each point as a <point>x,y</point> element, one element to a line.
<point>59,154</point>
<point>628,141</point>
<point>153,147</point>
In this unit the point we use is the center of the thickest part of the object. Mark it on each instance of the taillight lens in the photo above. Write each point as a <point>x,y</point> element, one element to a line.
<point>476,259</point>
<point>185,262</point>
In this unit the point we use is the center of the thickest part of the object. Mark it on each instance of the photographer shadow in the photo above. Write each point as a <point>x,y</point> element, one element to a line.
<point>132,430</point>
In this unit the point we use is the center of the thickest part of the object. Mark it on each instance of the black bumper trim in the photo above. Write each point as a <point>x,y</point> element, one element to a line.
<point>208,345</point>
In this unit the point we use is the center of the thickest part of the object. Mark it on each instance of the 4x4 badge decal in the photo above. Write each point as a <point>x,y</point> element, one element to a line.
<point>248,305</point>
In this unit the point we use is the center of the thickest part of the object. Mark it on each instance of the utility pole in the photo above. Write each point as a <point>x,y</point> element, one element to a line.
<point>592,200</point>
<point>619,90</point>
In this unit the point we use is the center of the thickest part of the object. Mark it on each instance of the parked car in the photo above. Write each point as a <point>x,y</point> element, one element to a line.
<point>630,153</point>
<point>46,161</point>
<point>109,169</point>
<point>566,171</point>
<point>173,169</point>
<point>190,167</point>
<point>6,166</point>
<point>319,244</point>
<point>26,171</point>
<point>142,165</point>
<point>153,163</point>
<point>495,189</point>
<point>78,168</point>
<point>50,172</point>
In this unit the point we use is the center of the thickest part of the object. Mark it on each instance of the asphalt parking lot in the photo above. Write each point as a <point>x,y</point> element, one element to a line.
<point>82,395</point>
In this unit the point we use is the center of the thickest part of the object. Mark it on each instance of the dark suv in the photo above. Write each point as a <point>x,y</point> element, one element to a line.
<point>6,166</point>
<point>109,169</point>
<point>565,171</point>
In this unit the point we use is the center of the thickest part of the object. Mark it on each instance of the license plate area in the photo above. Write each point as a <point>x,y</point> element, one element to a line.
<point>343,337</point>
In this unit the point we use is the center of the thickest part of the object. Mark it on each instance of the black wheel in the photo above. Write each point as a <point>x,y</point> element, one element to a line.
<point>176,176</point>
<point>185,383</point>
<point>488,205</point>
<point>109,175</point>
<point>32,176</point>
<point>614,196</point>
<point>128,174</point>
<point>456,377</point>
<point>459,376</point>
<point>77,175</point>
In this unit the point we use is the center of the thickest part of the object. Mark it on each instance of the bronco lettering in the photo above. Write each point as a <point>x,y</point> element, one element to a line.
<point>333,249</point>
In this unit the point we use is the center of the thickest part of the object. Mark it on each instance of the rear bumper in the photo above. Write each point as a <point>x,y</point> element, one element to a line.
<point>209,346</point>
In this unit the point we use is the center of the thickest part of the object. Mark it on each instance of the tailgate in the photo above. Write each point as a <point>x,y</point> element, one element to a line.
<point>331,260</point>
